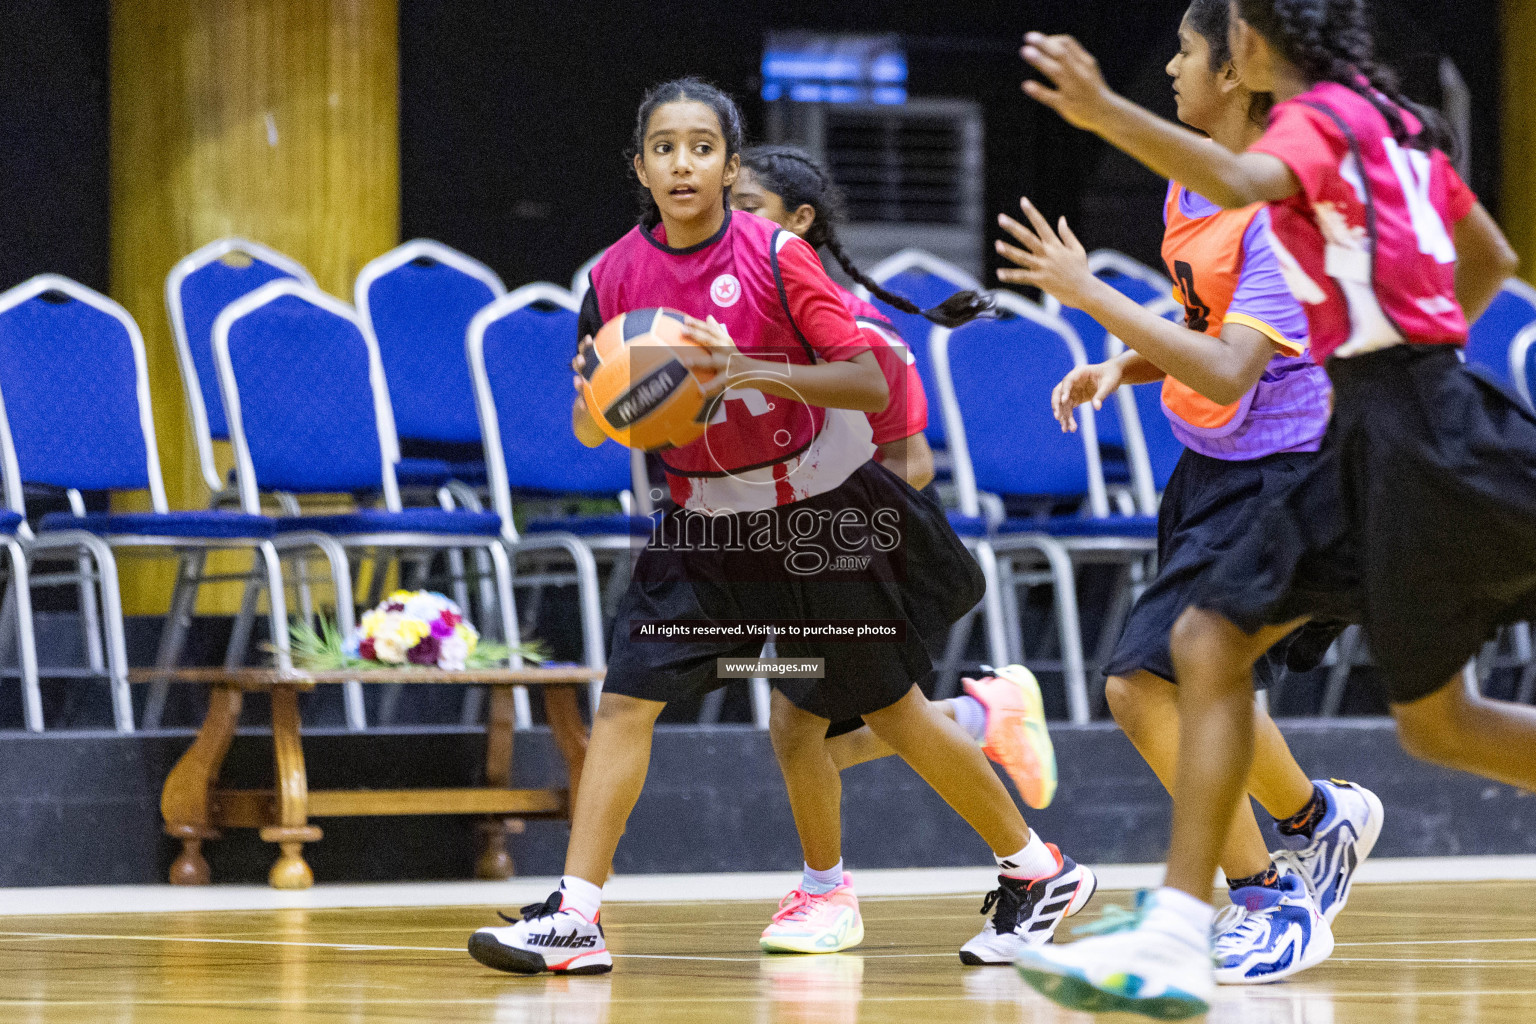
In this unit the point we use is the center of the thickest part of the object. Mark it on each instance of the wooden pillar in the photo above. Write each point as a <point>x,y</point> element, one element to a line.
<point>269,119</point>
<point>1517,132</point>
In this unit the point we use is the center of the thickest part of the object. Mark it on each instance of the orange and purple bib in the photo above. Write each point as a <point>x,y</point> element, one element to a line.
<point>1224,271</point>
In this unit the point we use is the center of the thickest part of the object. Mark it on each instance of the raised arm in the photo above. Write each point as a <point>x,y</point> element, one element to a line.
<point>1220,368</point>
<point>1082,97</point>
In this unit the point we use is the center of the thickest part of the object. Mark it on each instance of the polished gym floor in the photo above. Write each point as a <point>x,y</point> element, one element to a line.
<point>1408,953</point>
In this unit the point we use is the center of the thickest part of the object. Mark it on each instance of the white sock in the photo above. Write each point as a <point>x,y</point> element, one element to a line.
<point>581,895</point>
<point>1175,910</point>
<point>819,883</point>
<point>1034,861</point>
<point>970,715</point>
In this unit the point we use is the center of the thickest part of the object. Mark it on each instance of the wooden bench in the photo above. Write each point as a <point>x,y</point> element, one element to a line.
<point>195,808</point>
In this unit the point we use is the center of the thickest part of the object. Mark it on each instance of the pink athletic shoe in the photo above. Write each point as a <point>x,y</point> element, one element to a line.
<point>1016,735</point>
<point>815,923</point>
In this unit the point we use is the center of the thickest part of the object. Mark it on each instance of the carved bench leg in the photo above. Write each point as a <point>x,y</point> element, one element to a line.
<point>494,862</point>
<point>570,734</point>
<point>293,829</point>
<point>186,802</point>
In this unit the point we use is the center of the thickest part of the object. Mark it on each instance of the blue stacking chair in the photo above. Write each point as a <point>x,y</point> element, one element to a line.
<point>927,281</point>
<point>309,413</point>
<point>416,302</point>
<point>1144,285</point>
<point>1522,364</point>
<point>76,388</point>
<point>197,290</point>
<point>995,379</point>
<point>519,357</point>
<point>1490,342</point>
<point>581,281</point>
<point>18,593</point>
<point>1152,450</point>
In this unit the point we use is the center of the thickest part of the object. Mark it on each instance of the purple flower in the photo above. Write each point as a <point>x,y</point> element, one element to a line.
<point>425,652</point>
<point>442,628</point>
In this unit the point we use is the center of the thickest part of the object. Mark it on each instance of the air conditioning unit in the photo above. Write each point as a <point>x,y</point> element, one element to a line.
<point>912,173</point>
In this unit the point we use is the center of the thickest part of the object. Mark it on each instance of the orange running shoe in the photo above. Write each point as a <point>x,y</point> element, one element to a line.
<point>1016,735</point>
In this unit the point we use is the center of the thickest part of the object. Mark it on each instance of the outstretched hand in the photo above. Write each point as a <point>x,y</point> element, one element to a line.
<point>1056,264</point>
<point>1091,383</point>
<point>1081,96</point>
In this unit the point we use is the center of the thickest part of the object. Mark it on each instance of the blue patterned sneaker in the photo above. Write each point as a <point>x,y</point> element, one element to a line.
<point>1149,962</point>
<point>1270,933</point>
<point>1339,845</point>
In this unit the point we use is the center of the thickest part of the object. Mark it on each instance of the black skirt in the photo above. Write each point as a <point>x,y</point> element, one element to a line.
<point>1208,506</point>
<point>1417,520</point>
<point>870,550</point>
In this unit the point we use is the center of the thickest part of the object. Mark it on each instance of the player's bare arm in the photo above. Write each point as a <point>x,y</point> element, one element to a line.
<point>1078,92</point>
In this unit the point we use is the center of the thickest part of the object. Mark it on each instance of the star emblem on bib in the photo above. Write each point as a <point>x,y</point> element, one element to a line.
<point>725,290</point>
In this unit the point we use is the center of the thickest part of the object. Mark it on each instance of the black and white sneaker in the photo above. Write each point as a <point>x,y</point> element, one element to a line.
<point>548,937</point>
<point>1026,912</point>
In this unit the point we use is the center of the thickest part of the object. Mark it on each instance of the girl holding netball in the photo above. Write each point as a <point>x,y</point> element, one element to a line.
<point>1004,712</point>
<point>789,448</point>
<point>1418,517</point>
<point>1251,410</point>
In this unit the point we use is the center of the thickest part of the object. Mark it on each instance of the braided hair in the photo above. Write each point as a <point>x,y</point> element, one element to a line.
<point>690,88</point>
<point>799,180</point>
<point>1330,41</point>
<point>1211,18</point>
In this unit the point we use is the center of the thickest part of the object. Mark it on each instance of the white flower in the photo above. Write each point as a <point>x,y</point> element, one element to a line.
<point>428,606</point>
<point>452,653</point>
<point>390,649</point>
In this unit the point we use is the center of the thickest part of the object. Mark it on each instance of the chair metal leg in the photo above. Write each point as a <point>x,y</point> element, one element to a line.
<point>521,711</point>
<point>245,620</point>
<point>1008,593</point>
<point>277,605</point>
<point>948,680</point>
<point>1338,675</point>
<point>1070,631</point>
<point>709,707</point>
<point>90,617</point>
<point>992,605</point>
<point>346,613</point>
<point>19,599</point>
<point>189,569</point>
<point>761,696</point>
<point>588,597</point>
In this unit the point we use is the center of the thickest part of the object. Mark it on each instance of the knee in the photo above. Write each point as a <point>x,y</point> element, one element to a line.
<point>618,711</point>
<point>794,732</point>
<point>1121,694</point>
<point>1202,638</point>
<point>1433,735</point>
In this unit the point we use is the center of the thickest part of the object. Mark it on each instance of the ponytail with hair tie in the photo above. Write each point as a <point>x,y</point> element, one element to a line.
<point>799,181</point>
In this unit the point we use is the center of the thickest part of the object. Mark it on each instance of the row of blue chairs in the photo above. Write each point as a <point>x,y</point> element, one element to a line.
<point>295,380</point>
<point>316,397</point>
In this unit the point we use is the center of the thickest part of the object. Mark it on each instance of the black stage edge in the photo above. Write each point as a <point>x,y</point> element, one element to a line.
<point>83,807</point>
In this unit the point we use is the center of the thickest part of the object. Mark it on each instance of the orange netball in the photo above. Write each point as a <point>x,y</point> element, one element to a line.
<point>637,385</point>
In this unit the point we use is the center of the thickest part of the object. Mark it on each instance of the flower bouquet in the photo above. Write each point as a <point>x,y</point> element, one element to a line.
<point>411,627</point>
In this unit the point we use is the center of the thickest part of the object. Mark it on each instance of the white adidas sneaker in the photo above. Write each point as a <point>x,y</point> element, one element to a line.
<point>1270,933</point>
<point>548,937</point>
<point>1026,912</point>
<point>1160,970</point>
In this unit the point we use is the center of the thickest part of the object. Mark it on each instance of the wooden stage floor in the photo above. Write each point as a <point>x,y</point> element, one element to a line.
<point>1407,953</point>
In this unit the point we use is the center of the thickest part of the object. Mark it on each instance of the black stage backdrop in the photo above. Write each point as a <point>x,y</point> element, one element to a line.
<point>514,115</point>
